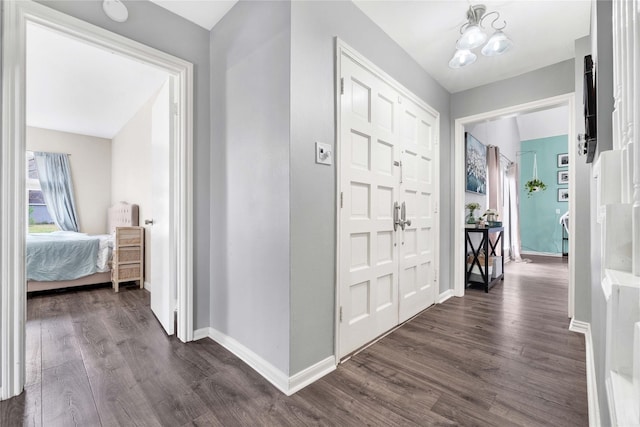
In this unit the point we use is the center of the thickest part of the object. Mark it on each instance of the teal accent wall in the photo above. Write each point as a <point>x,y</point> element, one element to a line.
<point>540,230</point>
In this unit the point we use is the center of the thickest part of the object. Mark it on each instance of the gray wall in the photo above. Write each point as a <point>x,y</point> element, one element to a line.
<point>602,48</point>
<point>581,251</point>
<point>250,74</point>
<point>156,27</point>
<point>313,187</point>
<point>556,79</point>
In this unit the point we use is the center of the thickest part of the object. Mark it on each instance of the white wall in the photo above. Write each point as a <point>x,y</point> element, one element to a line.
<point>131,171</point>
<point>545,123</point>
<point>90,172</point>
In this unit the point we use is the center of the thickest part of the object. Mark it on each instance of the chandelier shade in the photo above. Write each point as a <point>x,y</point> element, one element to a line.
<point>498,44</point>
<point>472,37</point>
<point>461,58</point>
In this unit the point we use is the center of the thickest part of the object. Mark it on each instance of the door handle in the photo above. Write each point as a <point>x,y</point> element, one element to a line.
<point>148,222</point>
<point>403,216</point>
<point>396,221</point>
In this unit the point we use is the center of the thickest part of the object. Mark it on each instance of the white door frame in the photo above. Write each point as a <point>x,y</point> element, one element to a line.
<point>12,181</point>
<point>459,182</point>
<point>344,48</point>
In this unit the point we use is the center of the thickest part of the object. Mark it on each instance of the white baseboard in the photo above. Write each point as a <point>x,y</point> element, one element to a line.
<point>541,254</point>
<point>286,384</point>
<point>309,375</point>
<point>445,296</point>
<point>592,388</point>
<point>147,285</point>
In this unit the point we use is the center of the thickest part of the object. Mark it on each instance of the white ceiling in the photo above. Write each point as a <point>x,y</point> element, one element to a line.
<point>205,13</point>
<point>543,124</point>
<point>78,88</point>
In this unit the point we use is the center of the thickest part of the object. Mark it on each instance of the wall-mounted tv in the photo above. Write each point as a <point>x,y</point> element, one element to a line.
<point>590,119</point>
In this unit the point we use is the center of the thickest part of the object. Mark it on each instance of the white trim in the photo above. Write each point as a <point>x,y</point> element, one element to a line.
<point>344,48</point>
<point>147,285</point>
<point>12,221</point>
<point>541,254</point>
<point>445,296</point>
<point>280,380</point>
<point>201,333</point>
<point>459,185</point>
<point>592,389</point>
<point>309,375</point>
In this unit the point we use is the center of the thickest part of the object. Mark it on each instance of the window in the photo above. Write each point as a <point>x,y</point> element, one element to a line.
<point>39,220</point>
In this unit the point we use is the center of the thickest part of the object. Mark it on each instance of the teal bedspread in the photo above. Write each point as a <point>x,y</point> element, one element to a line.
<point>61,255</point>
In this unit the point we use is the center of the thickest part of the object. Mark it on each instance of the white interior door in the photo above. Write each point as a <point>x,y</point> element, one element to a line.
<point>418,193</point>
<point>387,158</point>
<point>162,283</point>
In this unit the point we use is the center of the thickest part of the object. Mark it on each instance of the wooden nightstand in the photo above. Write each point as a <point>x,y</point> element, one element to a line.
<point>128,256</point>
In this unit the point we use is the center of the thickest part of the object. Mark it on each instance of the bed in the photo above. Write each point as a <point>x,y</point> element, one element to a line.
<point>65,259</point>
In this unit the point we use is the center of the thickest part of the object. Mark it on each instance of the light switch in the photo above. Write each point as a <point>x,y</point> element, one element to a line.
<point>557,211</point>
<point>324,155</point>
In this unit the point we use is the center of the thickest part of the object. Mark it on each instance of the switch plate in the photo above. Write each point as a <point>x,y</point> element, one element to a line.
<point>324,154</point>
<point>557,211</point>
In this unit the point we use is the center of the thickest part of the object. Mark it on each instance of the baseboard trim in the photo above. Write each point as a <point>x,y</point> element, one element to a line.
<point>309,375</point>
<point>147,285</point>
<point>592,389</point>
<point>198,334</point>
<point>445,296</point>
<point>551,254</point>
<point>280,380</point>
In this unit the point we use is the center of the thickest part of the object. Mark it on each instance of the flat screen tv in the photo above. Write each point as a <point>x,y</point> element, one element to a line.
<point>590,122</point>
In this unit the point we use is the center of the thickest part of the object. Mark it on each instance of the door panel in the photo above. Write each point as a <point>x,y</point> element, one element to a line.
<point>386,155</point>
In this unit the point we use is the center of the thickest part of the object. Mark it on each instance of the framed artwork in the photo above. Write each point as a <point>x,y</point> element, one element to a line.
<point>563,160</point>
<point>563,194</point>
<point>563,177</point>
<point>476,165</point>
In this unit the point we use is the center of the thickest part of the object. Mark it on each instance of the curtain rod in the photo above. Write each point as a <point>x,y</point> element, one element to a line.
<point>50,152</point>
<point>502,155</point>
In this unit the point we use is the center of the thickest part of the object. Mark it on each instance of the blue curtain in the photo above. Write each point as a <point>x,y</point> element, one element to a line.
<point>54,174</point>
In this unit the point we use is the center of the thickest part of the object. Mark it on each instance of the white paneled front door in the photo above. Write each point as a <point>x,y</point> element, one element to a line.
<point>387,210</point>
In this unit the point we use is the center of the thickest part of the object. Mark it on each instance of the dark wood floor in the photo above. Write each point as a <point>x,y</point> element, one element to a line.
<point>505,358</point>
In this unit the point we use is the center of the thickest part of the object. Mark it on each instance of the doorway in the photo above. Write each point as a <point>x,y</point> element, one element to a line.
<point>12,223</point>
<point>459,180</point>
<point>387,215</point>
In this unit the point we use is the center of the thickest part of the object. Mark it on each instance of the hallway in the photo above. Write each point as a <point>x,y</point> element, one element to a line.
<point>502,358</point>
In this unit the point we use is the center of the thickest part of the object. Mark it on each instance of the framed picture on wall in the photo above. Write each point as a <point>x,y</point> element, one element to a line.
<point>563,160</point>
<point>563,177</point>
<point>563,194</point>
<point>476,165</point>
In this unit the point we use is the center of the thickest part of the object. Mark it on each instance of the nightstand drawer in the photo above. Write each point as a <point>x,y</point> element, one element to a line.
<point>126,254</point>
<point>128,236</point>
<point>126,272</point>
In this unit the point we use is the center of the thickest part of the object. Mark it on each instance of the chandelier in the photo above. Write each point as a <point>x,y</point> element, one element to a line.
<point>473,36</point>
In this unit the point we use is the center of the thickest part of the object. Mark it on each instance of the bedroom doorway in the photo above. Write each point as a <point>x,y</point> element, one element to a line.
<point>17,15</point>
<point>459,180</point>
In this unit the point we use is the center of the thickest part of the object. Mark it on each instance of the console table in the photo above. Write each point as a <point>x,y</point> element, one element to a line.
<point>487,247</point>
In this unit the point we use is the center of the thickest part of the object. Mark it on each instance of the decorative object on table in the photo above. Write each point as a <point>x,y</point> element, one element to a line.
<point>563,177</point>
<point>476,165</point>
<point>534,184</point>
<point>563,160</point>
<point>471,219</point>
<point>491,216</point>
<point>563,194</point>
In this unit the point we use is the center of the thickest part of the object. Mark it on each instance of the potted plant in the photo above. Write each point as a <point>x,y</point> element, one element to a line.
<point>472,207</point>
<point>534,184</point>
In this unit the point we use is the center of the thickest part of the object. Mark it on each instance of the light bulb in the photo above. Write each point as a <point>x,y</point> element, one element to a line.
<point>472,37</point>
<point>461,58</point>
<point>498,44</point>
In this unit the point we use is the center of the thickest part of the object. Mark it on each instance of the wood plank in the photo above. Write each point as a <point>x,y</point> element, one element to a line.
<point>67,398</point>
